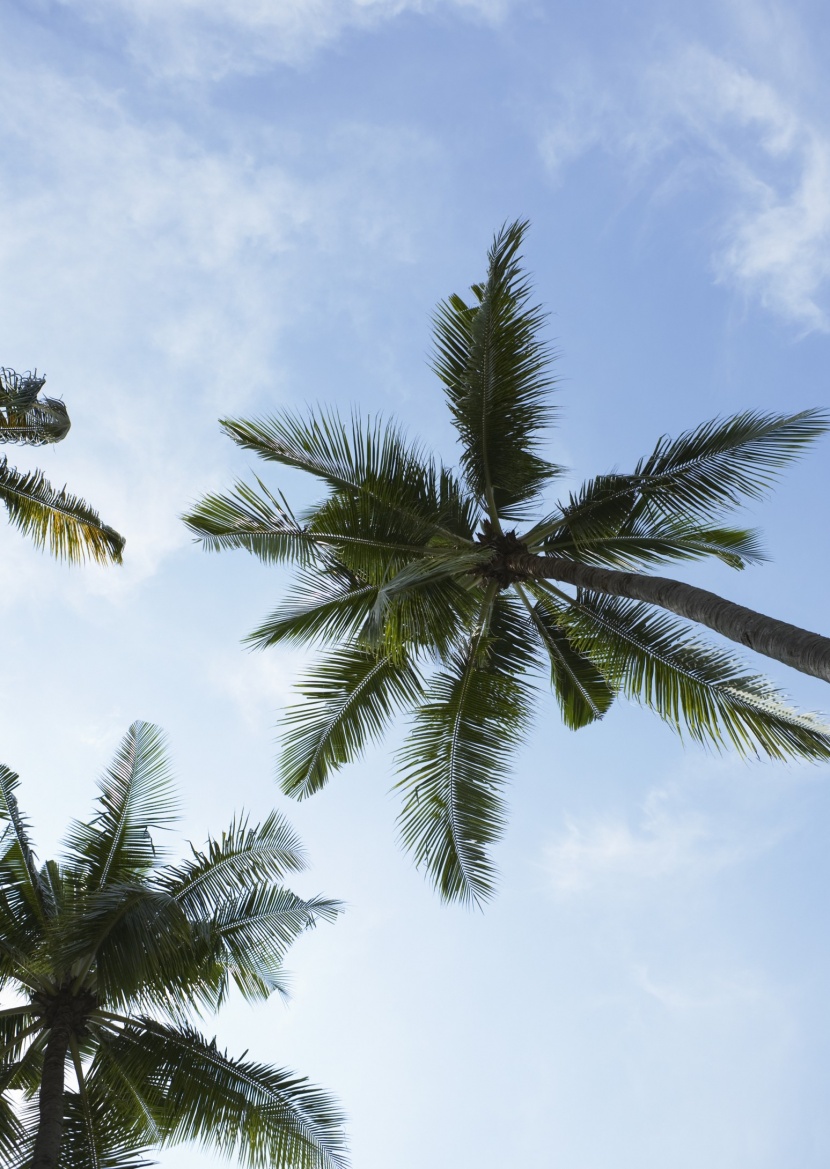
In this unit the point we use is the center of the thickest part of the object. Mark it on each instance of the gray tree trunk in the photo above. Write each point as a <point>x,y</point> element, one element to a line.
<point>804,651</point>
<point>50,1103</point>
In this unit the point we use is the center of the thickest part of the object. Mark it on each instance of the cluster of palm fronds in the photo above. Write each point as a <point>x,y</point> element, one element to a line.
<point>120,949</point>
<point>53,518</point>
<point>436,590</point>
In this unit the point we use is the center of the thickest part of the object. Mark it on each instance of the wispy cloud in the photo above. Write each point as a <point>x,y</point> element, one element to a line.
<point>192,40</point>
<point>695,119</point>
<point>154,279</point>
<point>711,818</point>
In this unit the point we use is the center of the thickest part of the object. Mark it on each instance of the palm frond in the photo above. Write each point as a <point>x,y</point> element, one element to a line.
<point>24,416</point>
<point>264,1117</point>
<point>256,928</point>
<point>330,604</point>
<point>132,941</point>
<point>257,521</point>
<point>720,463</point>
<point>63,523</point>
<point>136,796</point>
<point>17,860</point>
<point>494,367</point>
<point>12,1133</point>
<point>582,692</point>
<point>239,860</point>
<point>456,758</point>
<point>348,699</point>
<point>658,661</point>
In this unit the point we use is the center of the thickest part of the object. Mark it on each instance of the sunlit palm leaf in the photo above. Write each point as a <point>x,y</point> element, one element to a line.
<point>56,520</point>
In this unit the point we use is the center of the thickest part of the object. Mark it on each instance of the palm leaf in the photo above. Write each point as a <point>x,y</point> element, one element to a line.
<point>264,1117</point>
<point>240,859</point>
<point>494,368</point>
<point>347,701</point>
<point>136,795</point>
<point>255,930</point>
<point>18,861</point>
<point>582,692</point>
<point>26,418</point>
<point>660,662</point>
<point>64,523</point>
<point>456,757</point>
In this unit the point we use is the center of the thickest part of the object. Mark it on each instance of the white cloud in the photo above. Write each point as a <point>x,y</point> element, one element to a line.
<point>154,279</point>
<point>696,119</point>
<point>688,829</point>
<point>193,40</point>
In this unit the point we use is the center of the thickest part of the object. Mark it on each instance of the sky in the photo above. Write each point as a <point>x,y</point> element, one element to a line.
<point>220,207</point>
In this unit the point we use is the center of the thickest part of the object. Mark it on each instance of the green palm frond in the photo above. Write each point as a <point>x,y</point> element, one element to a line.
<point>24,416</point>
<point>456,759</point>
<point>257,521</point>
<point>720,463</point>
<point>494,368</point>
<point>263,1117</point>
<point>19,868</point>
<point>64,523</point>
<point>658,661</point>
<point>136,940</point>
<point>256,929</point>
<point>12,1133</point>
<point>643,539</point>
<point>582,692</point>
<point>329,604</point>
<point>136,795</point>
<point>239,860</point>
<point>355,458</point>
<point>348,699</point>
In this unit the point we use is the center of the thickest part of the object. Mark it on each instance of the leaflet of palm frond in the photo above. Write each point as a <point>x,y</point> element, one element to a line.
<point>660,661</point>
<point>495,371</point>
<point>63,523</point>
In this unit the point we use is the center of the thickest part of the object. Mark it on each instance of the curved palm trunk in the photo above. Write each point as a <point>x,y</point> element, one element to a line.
<point>50,1104</point>
<point>805,651</point>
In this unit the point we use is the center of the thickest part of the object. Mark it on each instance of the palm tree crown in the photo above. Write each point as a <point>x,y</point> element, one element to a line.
<point>444,592</point>
<point>112,951</point>
<point>70,528</point>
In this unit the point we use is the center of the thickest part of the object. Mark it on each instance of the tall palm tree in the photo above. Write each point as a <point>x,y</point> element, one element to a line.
<point>445,591</point>
<point>65,523</point>
<point>112,951</point>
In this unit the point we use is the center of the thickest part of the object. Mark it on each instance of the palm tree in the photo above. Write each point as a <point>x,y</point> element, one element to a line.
<point>112,952</point>
<point>68,525</point>
<point>445,591</point>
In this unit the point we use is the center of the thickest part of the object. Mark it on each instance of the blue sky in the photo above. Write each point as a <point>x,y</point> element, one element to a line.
<point>212,207</point>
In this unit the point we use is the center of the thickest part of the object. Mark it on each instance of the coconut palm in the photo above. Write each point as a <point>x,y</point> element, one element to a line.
<point>65,523</point>
<point>444,592</point>
<point>112,952</point>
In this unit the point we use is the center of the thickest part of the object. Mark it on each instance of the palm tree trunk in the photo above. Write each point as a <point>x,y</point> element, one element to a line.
<point>50,1128</point>
<point>805,651</point>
